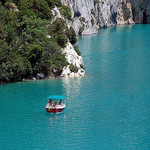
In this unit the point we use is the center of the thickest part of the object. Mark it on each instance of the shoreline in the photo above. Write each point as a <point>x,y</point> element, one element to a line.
<point>52,77</point>
<point>112,27</point>
<point>36,79</point>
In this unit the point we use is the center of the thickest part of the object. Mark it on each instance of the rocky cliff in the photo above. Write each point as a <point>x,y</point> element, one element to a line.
<point>75,65</point>
<point>90,15</point>
<point>74,60</point>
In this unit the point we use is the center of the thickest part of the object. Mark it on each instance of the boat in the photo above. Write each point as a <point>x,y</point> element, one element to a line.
<point>52,107</point>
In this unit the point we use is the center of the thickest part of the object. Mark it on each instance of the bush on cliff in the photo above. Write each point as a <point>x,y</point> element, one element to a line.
<point>77,50</point>
<point>39,7</point>
<point>73,68</point>
<point>66,12</point>
<point>52,3</point>
<point>61,40</point>
<point>71,35</point>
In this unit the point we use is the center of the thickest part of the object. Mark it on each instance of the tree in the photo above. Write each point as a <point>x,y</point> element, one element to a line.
<point>25,48</point>
<point>71,35</point>
<point>14,68</point>
<point>61,40</point>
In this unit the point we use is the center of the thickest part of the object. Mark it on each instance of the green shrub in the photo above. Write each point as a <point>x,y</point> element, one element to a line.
<point>59,61</point>
<point>14,68</point>
<point>82,66</point>
<point>77,50</point>
<point>39,7</point>
<point>53,57</point>
<point>71,35</point>
<point>73,68</point>
<point>92,21</point>
<point>81,30</point>
<point>66,12</point>
<point>52,3</point>
<point>58,3</point>
<point>61,40</point>
<point>58,26</point>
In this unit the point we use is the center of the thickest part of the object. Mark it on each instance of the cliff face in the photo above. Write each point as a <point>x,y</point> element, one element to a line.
<point>74,59</point>
<point>148,13</point>
<point>71,55</point>
<point>141,11</point>
<point>91,15</point>
<point>81,12</point>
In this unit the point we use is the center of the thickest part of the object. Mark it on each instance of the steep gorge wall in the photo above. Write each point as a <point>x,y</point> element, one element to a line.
<point>141,11</point>
<point>90,15</point>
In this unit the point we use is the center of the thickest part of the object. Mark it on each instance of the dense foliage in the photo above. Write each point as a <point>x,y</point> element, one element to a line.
<point>66,12</point>
<point>25,48</point>
<point>73,68</point>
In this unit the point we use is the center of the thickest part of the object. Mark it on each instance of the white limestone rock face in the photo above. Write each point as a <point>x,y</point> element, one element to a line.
<point>56,14</point>
<point>70,54</point>
<point>125,15</point>
<point>84,21</point>
<point>72,58</point>
<point>90,15</point>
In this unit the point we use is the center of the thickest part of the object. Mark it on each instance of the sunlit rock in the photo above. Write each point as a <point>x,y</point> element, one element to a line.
<point>73,58</point>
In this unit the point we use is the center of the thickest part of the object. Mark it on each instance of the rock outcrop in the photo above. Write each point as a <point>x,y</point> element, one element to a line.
<point>141,11</point>
<point>74,60</point>
<point>84,21</point>
<point>90,15</point>
<point>148,13</point>
<point>124,15</point>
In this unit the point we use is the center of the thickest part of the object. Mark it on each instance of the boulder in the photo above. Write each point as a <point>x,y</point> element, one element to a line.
<point>40,76</point>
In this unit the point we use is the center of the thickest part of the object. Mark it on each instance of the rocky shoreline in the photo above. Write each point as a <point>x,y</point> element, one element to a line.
<point>87,18</point>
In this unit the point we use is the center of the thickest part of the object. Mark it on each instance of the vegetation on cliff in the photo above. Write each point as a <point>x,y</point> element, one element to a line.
<point>29,42</point>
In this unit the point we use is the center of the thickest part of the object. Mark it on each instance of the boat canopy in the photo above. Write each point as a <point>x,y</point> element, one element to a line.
<point>56,97</point>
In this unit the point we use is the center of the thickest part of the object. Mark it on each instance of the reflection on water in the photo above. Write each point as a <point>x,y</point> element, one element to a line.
<point>72,85</point>
<point>53,118</point>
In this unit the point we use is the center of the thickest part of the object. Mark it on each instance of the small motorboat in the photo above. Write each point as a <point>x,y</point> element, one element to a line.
<point>53,106</point>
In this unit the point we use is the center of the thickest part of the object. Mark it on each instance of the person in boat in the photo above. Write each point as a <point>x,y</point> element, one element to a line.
<point>60,103</point>
<point>51,103</point>
<point>55,104</point>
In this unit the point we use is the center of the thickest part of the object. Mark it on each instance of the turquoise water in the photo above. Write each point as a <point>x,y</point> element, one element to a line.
<point>109,108</point>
